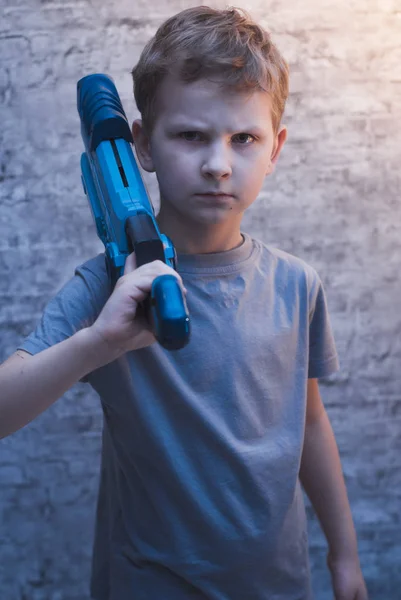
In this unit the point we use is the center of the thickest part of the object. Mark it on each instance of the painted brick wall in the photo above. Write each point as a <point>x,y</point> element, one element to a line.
<point>334,201</point>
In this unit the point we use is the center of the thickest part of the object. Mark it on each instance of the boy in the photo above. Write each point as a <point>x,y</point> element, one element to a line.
<point>204,448</point>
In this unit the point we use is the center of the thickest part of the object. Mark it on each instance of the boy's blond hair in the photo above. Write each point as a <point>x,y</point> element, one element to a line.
<point>226,46</point>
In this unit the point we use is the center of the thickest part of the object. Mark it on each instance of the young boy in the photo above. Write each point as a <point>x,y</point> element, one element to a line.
<point>204,448</point>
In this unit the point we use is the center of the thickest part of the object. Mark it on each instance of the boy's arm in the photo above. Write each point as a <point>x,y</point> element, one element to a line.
<point>30,384</point>
<point>322,478</point>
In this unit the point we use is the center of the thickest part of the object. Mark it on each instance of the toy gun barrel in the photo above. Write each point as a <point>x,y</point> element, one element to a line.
<point>102,114</point>
<point>120,206</point>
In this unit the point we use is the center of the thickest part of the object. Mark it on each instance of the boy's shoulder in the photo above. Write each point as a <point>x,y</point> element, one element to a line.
<point>287,266</point>
<point>91,277</point>
<point>287,263</point>
<point>95,266</point>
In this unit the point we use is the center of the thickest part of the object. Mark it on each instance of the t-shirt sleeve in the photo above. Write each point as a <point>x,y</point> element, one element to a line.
<point>323,359</point>
<point>75,306</point>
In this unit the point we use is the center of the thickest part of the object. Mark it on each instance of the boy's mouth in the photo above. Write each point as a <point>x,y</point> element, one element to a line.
<point>214,194</point>
<point>215,199</point>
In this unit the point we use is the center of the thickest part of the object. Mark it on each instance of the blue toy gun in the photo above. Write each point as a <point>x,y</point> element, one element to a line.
<point>124,217</point>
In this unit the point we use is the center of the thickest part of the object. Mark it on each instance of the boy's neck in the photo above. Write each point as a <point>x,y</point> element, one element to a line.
<point>200,239</point>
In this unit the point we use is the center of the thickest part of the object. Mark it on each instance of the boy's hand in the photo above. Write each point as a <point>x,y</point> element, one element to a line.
<point>347,579</point>
<point>118,328</point>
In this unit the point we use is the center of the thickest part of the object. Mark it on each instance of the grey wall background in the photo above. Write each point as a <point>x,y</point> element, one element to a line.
<point>334,201</point>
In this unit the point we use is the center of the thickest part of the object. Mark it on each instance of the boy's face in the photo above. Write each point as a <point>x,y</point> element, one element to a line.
<point>211,150</point>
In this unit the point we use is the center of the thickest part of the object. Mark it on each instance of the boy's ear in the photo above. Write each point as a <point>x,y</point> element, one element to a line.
<point>278,146</point>
<point>142,146</point>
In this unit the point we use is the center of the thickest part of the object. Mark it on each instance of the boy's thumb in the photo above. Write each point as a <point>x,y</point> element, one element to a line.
<point>130,263</point>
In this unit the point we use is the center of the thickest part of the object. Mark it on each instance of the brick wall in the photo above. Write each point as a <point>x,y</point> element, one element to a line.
<point>334,201</point>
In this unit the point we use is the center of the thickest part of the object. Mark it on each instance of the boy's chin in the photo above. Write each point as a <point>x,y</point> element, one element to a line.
<point>202,215</point>
<point>212,215</point>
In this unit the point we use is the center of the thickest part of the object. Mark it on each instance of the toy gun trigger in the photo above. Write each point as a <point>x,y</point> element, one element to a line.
<point>143,239</point>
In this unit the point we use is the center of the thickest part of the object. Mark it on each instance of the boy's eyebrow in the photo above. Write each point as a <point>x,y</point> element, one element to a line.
<point>198,126</point>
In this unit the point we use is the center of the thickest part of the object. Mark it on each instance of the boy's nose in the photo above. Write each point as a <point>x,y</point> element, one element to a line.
<point>217,164</point>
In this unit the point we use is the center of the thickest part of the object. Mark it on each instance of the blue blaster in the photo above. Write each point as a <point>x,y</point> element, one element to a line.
<point>124,216</point>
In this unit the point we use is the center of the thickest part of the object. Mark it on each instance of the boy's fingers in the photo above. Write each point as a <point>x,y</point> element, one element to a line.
<point>152,270</point>
<point>130,266</point>
<point>130,263</point>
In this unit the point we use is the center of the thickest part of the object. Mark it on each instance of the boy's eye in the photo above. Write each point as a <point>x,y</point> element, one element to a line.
<point>191,136</point>
<point>243,138</point>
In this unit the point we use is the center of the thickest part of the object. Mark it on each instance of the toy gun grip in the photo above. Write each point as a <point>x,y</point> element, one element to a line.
<point>165,308</point>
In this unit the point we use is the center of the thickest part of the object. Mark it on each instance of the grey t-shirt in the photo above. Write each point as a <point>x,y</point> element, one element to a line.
<point>199,491</point>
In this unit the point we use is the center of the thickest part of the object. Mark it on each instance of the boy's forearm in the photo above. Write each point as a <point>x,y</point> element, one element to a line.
<point>30,385</point>
<point>322,478</point>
